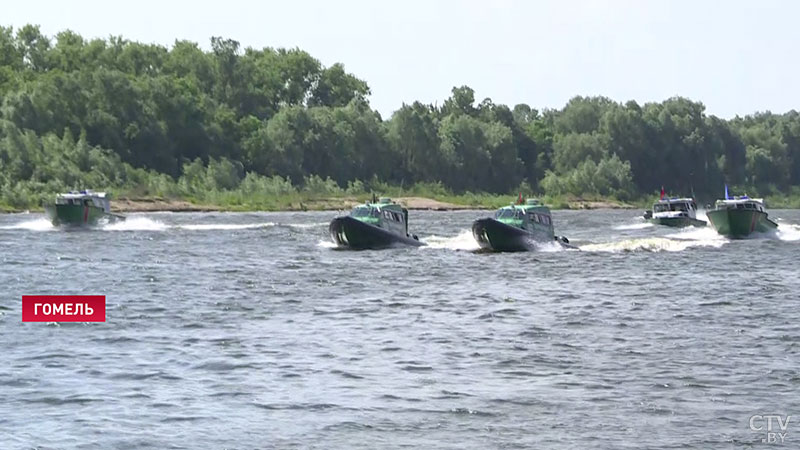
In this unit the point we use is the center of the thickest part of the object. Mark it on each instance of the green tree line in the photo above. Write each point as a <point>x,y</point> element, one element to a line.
<point>238,122</point>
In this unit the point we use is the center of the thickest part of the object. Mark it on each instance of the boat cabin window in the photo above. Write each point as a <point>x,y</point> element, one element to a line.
<point>660,208</point>
<point>740,206</point>
<point>504,214</point>
<point>534,217</point>
<point>679,207</point>
<point>360,212</point>
<point>546,220</point>
<point>391,215</point>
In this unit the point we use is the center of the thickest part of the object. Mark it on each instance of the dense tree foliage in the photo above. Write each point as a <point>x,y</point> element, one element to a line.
<point>112,113</point>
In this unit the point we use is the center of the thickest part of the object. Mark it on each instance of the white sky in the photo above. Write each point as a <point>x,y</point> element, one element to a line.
<point>737,57</point>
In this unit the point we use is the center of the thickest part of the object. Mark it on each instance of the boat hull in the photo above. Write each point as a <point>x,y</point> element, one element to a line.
<point>678,222</point>
<point>497,236</point>
<point>740,223</point>
<point>348,232</point>
<point>78,215</point>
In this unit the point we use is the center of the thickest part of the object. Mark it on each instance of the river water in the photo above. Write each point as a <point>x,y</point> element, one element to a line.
<point>248,330</point>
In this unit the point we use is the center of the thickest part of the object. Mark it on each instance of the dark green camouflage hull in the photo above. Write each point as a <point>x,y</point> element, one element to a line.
<point>78,215</point>
<point>740,223</point>
<point>678,222</point>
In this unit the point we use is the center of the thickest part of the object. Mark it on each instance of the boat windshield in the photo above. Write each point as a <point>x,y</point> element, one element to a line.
<point>504,214</point>
<point>663,207</point>
<point>363,211</point>
<point>679,207</point>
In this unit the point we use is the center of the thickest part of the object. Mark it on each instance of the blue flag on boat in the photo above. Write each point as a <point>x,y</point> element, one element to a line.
<point>726,192</point>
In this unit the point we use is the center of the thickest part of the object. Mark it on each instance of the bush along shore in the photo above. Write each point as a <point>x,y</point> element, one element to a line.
<point>271,194</point>
<point>267,129</point>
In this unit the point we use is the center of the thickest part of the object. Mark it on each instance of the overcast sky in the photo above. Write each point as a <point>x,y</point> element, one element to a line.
<point>737,57</point>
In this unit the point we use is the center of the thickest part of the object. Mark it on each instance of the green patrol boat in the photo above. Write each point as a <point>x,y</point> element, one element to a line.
<point>517,227</point>
<point>738,217</point>
<point>373,225</point>
<point>81,208</point>
<point>675,212</point>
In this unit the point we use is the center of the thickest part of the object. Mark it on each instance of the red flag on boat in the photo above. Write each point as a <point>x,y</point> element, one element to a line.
<point>662,192</point>
<point>519,198</point>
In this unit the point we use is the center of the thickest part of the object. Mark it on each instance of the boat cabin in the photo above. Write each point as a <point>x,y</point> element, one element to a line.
<point>86,198</point>
<point>742,202</point>
<point>532,216</point>
<point>384,214</point>
<point>675,207</point>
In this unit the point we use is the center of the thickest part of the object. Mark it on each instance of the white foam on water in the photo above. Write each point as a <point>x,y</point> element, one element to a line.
<point>697,234</point>
<point>305,226</point>
<point>135,224</point>
<point>634,226</point>
<point>655,244</point>
<point>463,241</point>
<point>549,247</point>
<point>31,225</point>
<point>225,226</point>
<point>325,244</point>
<point>788,232</point>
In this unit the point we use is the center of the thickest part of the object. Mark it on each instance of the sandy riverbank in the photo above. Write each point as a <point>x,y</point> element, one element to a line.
<point>323,204</point>
<point>154,204</point>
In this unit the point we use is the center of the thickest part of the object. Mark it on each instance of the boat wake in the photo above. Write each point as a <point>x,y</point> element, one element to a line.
<point>654,244</point>
<point>225,226</point>
<point>306,226</point>
<point>549,247</point>
<point>463,241</point>
<point>634,226</point>
<point>697,234</point>
<point>325,244</point>
<point>31,225</point>
<point>135,224</point>
<point>788,232</point>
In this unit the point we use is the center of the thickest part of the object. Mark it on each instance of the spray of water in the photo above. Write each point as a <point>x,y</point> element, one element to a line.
<point>634,226</point>
<point>225,226</point>
<point>463,241</point>
<point>135,224</point>
<point>325,244</point>
<point>655,244</point>
<point>788,232</point>
<point>31,225</point>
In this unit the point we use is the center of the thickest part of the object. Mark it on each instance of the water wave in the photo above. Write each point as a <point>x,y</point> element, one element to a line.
<point>135,224</point>
<point>32,225</point>
<point>654,244</point>
<point>634,226</point>
<point>325,244</point>
<point>225,226</point>
<point>788,232</point>
<point>305,226</point>
<point>463,241</point>
<point>697,234</point>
